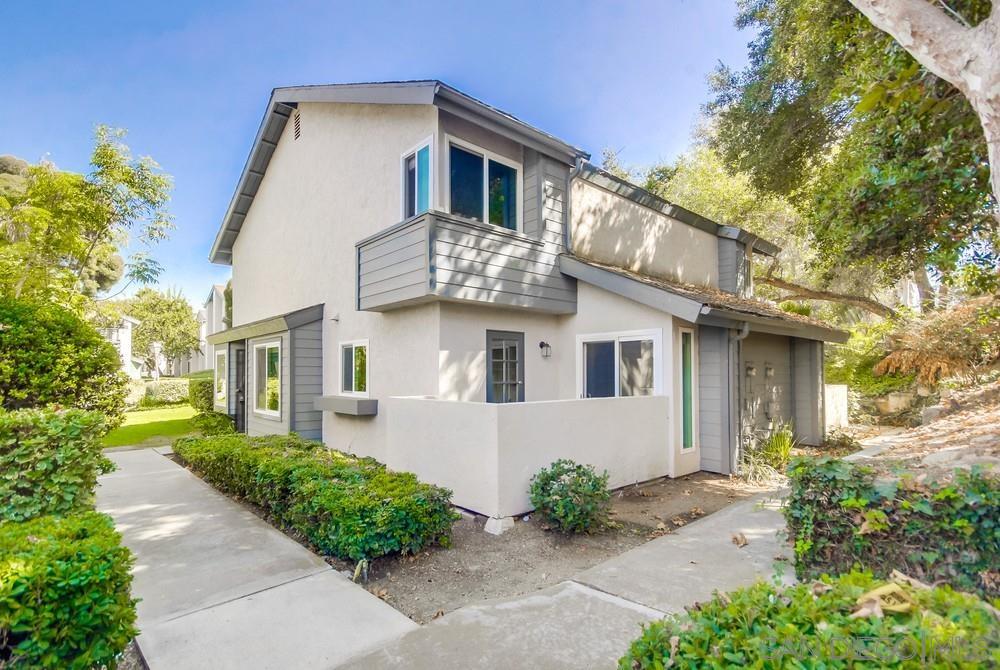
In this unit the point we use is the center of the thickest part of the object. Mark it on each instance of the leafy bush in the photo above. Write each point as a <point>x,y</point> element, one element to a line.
<point>201,393</point>
<point>49,461</point>
<point>50,356</point>
<point>572,496</point>
<point>214,423</point>
<point>346,506</point>
<point>839,443</point>
<point>816,626</point>
<point>165,392</point>
<point>64,593</point>
<point>853,362</point>
<point>136,391</point>
<point>839,516</point>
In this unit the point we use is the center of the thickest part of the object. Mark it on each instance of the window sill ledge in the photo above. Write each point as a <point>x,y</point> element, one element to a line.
<point>349,405</point>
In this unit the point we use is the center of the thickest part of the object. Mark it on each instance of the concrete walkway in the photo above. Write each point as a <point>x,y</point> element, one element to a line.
<point>220,588</point>
<point>590,621</point>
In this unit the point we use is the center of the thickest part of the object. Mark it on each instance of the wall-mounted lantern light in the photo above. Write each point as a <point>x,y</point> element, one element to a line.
<point>751,370</point>
<point>545,348</point>
<point>768,370</point>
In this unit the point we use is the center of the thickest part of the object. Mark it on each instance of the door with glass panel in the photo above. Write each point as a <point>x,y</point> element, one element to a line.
<point>505,366</point>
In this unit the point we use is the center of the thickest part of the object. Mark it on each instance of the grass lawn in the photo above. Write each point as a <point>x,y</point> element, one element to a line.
<point>152,427</point>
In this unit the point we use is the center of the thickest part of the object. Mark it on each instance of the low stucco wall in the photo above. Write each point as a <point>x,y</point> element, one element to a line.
<point>836,406</point>
<point>487,453</point>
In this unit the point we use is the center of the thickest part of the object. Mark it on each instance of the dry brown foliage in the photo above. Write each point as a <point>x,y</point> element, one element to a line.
<point>963,340</point>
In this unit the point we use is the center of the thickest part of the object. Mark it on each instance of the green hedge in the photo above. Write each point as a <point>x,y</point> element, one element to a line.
<point>214,423</point>
<point>346,506</point>
<point>167,391</point>
<point>201,394</point>
<point>49,461</point>
<point>811,626</point>
<point>839,516</point>
<point>64,593</point>
<point>50,356</point>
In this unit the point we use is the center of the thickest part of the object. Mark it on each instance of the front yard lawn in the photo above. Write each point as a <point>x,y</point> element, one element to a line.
<point>152,427</point>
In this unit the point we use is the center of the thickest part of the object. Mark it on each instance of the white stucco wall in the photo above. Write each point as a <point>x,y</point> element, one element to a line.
<point>340,182</point>
<point>611,229</point>
<point>487,453</point>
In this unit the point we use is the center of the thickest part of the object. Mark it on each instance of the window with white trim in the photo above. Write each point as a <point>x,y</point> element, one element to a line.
<point>354,368</point>
<point>619,364</point>
<point>687,373</point>
<point>267,378</point>
<point>483,186</point>
<point>417,179</point>
<point>221,377</point>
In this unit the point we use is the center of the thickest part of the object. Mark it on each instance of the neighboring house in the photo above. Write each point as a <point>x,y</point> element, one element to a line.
<point>211,320</point>
<point>121,338</point>
<point>422,278</point>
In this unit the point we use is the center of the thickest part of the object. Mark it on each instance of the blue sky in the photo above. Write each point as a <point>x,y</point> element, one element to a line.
<point>190,80</point>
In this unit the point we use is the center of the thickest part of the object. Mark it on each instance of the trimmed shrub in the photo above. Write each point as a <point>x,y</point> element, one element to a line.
<point>49,461</point>
<point>346,506</point>
<point>50,356</point>
<point>165,392</point>
<point>823,625</point>
<point>572,496</point>
<point>839,516</point>
<point>64,593</point>
<point>201,394</point>
<point>214,423</point>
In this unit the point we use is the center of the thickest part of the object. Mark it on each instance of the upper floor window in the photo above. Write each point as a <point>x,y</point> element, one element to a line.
<point>482,186</point>
<point>417,180</point>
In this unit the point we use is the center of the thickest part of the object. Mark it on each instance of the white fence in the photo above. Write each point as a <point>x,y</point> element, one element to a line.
<point>487,453</point>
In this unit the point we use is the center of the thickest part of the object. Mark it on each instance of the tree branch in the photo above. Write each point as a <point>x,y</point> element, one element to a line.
<point>934,39</point>
<point>800,292</point>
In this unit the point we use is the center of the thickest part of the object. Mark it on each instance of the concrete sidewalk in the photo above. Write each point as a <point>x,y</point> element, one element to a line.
<point>220,588</point>
<point>589,622</point>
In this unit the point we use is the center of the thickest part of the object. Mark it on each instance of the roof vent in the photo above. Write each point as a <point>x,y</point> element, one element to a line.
<point>298,125</point>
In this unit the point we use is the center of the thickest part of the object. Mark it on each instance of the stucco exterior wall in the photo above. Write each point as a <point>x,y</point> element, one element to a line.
<point>486,453</point>
<point>612,229</point>
<point>340,182</point>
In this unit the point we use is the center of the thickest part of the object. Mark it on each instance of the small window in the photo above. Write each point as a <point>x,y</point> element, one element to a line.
<point>483,187</point>
<point>267,379</point>
<point>354,368</point>
<point>221,373</point>
<point>619,364</point>
<point>417,180</point>
<point>687,388</point>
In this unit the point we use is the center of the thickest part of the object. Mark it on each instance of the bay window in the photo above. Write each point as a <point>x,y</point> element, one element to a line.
<point>619,364</point>
<point>267,378</point>
<point>483,186</point>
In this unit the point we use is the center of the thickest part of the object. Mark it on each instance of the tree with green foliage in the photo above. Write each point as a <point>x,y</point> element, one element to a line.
<point>165,317</point>
<point>885,160</point>
<point>49,355</point>
<point>60,231</point>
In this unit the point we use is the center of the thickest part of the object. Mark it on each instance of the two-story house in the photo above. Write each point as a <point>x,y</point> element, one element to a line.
<point>425,279</point>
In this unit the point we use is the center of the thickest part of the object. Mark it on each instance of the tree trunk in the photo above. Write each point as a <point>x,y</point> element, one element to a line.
<point>966,57</point>
<point>799,292</point>
<point>924,288</point>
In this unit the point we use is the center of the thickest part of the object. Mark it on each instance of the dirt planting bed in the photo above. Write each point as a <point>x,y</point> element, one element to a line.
<point>480,566</point>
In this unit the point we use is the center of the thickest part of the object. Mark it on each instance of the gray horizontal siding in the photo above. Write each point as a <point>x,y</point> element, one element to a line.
<point>307,380</point>
<point>392,267</point>
<point>439,256</point>
<point>734,267</point>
